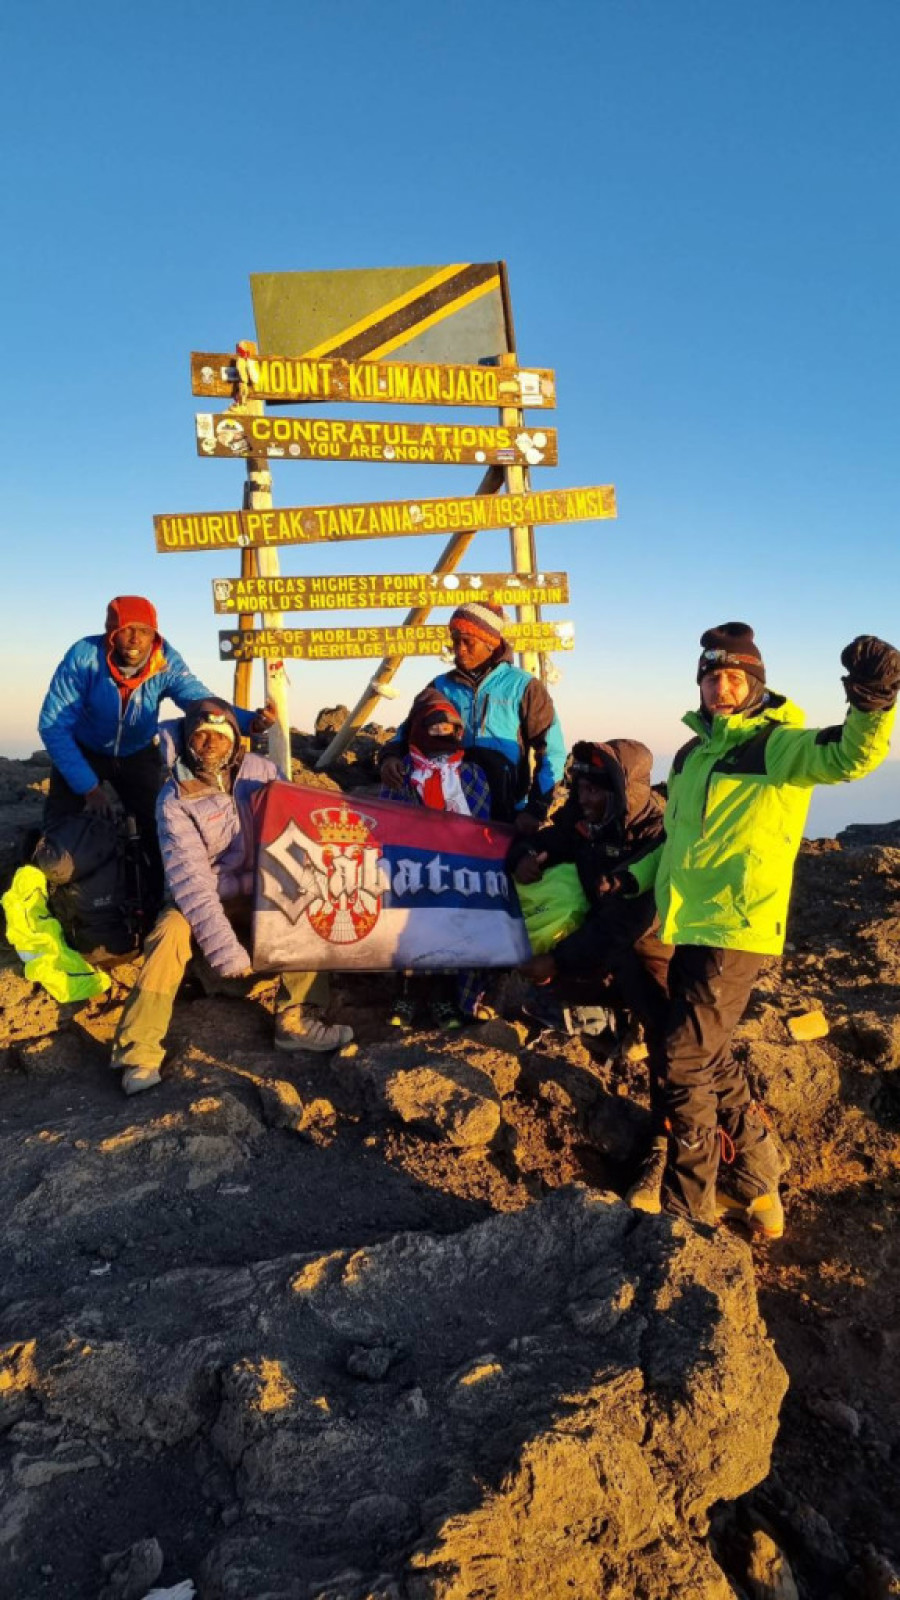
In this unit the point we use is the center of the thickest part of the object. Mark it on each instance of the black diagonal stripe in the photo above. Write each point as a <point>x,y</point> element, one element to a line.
<point>748,757</point>
<point>416,311</point>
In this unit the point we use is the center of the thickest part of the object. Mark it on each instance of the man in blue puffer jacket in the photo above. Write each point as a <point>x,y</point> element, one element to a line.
<point>206,837</point>
<point>100,717</point>
<point>510,726</point>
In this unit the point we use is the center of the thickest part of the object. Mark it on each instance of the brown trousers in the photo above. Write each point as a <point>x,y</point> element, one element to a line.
<point>147,1013</point>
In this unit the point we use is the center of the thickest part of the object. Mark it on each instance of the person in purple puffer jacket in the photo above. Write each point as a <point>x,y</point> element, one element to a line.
<point>205,826</point>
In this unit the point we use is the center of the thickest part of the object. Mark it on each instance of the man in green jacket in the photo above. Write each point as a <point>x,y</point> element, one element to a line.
<point>738,796</point>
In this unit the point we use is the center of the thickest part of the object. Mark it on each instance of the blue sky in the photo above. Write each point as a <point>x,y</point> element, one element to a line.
<point>698,205</point>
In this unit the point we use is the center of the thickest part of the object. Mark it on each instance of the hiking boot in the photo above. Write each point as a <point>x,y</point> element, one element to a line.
<point>631,1045</point>
<point>542,1007</point>
<point>631,1053</point>
<point>593,1021</point>
<point>134,1079</point>
<point>403,1014</point>
<point>763,1216</point>
<point>296,1031</point>
<point>645,1193</point>
<point>482,1012</point>
<point>445,1016</point>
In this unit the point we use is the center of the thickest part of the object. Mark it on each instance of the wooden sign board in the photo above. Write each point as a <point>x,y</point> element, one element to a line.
<point>371,591</point>
<point>231,433</point>
<point>374,382</point>
<point>229,530</point>
<point>342,644</point>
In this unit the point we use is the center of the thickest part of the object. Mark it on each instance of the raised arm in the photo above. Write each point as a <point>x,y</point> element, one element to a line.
<point>859,744</point>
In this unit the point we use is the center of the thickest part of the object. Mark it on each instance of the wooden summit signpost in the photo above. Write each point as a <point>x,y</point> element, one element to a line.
<point>407,383</point>
<point>233,433</point>
<point>225,530</point>
<point>371,591</point>
<point>340,644</point>
<point>336,336</point>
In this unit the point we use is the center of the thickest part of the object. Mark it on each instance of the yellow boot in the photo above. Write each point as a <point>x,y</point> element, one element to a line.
<point>763,1216</point>
<point>645,1193</point>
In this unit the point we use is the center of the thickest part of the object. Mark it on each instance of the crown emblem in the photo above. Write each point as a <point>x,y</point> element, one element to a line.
<point>339,825</point>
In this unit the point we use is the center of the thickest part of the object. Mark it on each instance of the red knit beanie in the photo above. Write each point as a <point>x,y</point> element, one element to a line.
<point>128,611</point>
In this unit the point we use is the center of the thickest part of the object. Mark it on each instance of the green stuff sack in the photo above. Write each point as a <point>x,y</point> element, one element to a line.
<point>553,908</point>
<point>38,941</point>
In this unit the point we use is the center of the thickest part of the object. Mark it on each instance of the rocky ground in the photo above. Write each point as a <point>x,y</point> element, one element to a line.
<point>379,1326</point>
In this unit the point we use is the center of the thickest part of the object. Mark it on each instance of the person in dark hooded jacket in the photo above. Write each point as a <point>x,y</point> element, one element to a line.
<point>205,823</point>
<point>611,819</point>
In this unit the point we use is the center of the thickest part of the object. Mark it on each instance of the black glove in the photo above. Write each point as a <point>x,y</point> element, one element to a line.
<point>873,673</point>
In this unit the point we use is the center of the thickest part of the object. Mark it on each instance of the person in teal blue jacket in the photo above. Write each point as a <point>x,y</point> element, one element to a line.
<point>509,722</point>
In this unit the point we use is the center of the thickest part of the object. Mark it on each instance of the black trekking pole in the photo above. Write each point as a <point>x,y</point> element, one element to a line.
<point>133,858</point>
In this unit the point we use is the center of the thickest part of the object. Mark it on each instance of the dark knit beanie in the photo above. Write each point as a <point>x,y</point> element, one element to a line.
<point>731,644</point>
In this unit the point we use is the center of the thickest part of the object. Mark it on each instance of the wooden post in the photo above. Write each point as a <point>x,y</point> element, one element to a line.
<point>243,670</point>
<point>515,479</point>
<point>263,564</point>
<point>521,540</point>
<point>448,560</point>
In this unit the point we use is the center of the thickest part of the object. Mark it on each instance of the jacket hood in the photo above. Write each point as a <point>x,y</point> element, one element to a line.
<point>174,736</point>
<point>628,765</point>
<point>130,610</point>
<point>429,705</point>
<point>201,710</point>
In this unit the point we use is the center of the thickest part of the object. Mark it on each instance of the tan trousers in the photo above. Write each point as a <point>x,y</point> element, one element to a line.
<point>147,1013</point>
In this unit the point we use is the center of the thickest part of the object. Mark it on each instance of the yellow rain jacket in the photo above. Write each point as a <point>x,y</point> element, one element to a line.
<point>40,945</point>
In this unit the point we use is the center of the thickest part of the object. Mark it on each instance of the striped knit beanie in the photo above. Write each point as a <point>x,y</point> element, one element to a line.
<point>481,620</point>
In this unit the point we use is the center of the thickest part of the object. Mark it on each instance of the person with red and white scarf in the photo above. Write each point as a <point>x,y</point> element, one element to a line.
<point>439,773</point>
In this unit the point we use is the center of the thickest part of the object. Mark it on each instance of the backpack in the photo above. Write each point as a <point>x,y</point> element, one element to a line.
<point>93,871</point>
